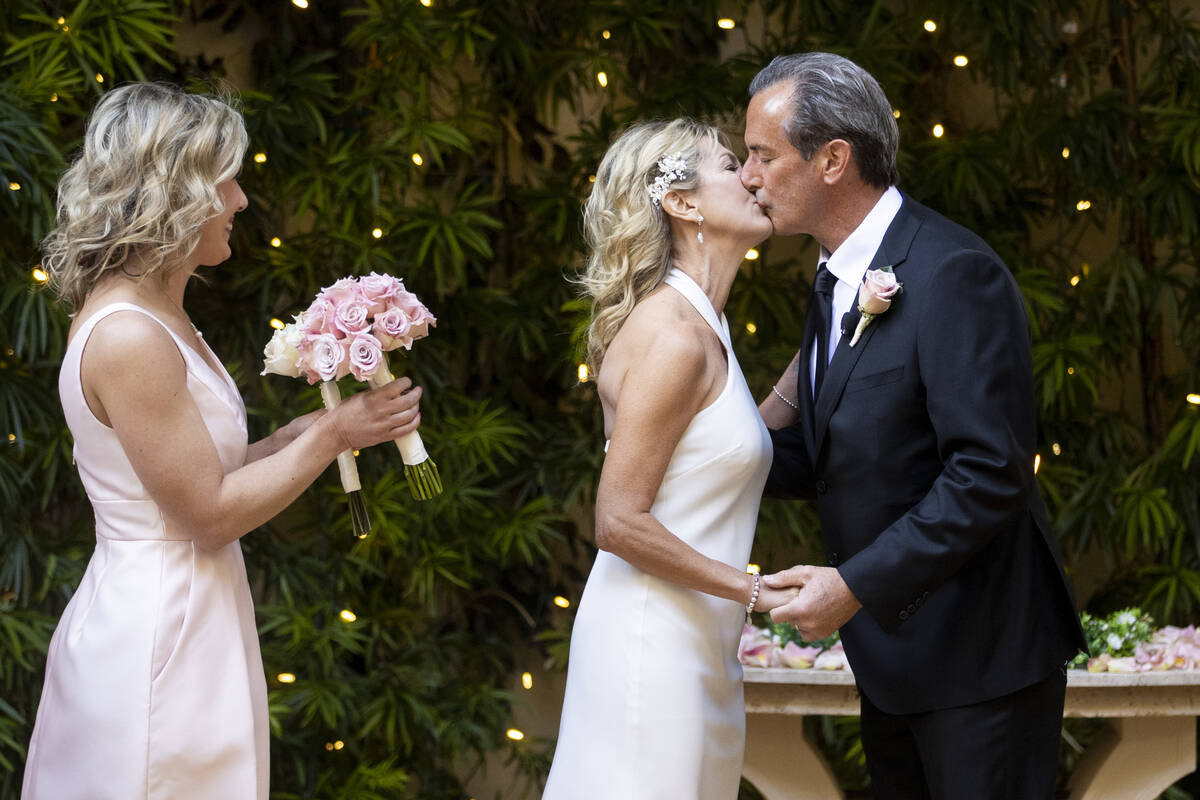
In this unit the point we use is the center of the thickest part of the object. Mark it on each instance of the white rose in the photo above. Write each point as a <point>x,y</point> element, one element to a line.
<point>1114,641</point>
<point>281,356</point>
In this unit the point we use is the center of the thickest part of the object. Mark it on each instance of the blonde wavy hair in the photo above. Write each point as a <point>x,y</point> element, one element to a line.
<point>628,237</point>
<point>143,185</point>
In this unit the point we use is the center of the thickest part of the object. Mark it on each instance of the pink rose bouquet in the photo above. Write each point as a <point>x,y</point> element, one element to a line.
<point>348,330</point>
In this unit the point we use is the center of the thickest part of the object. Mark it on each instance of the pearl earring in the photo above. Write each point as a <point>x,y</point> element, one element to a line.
<point>700,233</point>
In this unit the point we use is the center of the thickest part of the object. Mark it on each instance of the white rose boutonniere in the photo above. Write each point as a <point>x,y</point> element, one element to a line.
<point>879,288</point>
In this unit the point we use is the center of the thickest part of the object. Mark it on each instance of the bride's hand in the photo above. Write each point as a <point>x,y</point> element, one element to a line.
<point>769,598</point>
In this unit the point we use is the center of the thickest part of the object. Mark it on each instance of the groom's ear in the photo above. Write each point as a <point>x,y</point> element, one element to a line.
<point>835,160</point>
<point>678,205</point>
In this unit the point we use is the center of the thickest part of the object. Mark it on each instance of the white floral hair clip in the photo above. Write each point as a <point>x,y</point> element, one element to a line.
<point>670,169</point>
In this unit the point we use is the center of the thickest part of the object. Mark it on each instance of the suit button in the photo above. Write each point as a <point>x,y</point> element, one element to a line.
<point>822,487</point>
<point>903,615</point>
<point>925,596</point>
<point>832,560</point>
<point>911,607</point>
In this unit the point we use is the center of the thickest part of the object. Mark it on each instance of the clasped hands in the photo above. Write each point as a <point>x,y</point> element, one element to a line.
<point>814,600</point>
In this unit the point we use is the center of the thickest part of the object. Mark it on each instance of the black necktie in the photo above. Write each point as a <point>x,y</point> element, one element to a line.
<point>823,306</point>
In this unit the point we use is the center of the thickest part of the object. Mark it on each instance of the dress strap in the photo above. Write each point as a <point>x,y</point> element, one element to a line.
<point>692,292</point>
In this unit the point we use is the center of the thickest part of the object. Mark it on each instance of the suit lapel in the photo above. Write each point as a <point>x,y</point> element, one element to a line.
<point>893,250</point>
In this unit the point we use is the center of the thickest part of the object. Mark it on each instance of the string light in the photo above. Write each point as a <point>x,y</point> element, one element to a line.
<point>1083,205</point>
<point>276,242</point>
<point>347,615</point>
<point>99,78</point>
<point>1192,398</point>
<point>300,3</point>
<point>1070,370</point>
<point>751,254</point>
<point>54,97</point>
<point>40,275</point>
<point>514,734</point>
<point>427,3</point>
<point>527,680</point>
<point>1075,279</point>
<point>417,159</point>
<point>606,34</point>
<point>16,187</point>
<point>591,178</point>
<point>377,233</point>
<point>277,323</point>
<point>960,61</point>
<point>62,20</point>
<point>753,569</point>
<point>583,373</point>
<point>1037,462</point>
<point>12,437</point>
<point>930,25</point>
<point>896,113</point>
<point>1086,269</point>
<point>1066,152</point>
<point>339,744</point>
<point>260,158</point>
<point>602,79</point>
<point>751,328</point>
<point>285,677</point>
<point>329,746</point>
<point>562,602</point>
<point>938,131</point>
<point>1056,449</point>
<point>726,24</point>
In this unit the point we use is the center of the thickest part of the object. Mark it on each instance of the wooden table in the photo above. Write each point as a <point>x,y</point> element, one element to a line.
<point>1150,742</point>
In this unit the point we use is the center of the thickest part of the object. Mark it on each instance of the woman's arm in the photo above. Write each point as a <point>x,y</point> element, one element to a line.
<point>135,371</point>
<point>282,437</point>
<point>661,393</point>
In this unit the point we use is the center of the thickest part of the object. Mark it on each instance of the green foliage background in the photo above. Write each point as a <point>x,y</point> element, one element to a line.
<point>502,103</point>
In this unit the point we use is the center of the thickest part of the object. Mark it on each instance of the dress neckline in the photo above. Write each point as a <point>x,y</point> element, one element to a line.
<point>686,285</point>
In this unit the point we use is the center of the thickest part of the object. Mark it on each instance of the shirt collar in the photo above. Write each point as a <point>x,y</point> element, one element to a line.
<point>850,261</point>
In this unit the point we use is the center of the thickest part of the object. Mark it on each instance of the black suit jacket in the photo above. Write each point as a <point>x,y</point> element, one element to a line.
<point>919,451</point>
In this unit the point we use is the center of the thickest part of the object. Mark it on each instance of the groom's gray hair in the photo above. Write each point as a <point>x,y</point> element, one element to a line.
<point>834,98</point>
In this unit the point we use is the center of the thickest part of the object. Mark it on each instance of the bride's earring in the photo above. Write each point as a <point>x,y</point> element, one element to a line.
<point>699,232</point>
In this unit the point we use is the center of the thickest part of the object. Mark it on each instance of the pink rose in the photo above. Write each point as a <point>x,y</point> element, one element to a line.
<point>418,315</point>
<point>342,290</point>
<point>798,657</point>
<point>365,356</point>
<point>875,294</point>
<point>378,290</point>
<point>351,316</point>
<point>392,328</point>
<point>319,317</point>
<point>323,358</point>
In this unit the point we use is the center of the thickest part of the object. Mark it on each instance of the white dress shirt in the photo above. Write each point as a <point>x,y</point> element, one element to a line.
<point>849,263</point>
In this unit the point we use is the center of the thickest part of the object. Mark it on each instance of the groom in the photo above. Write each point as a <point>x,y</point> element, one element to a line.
<point>917,443</point>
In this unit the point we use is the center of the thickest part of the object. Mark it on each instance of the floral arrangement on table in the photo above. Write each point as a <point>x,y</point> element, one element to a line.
<point>1126,641</point>
<point>348,330</point>
<point>779,645</point>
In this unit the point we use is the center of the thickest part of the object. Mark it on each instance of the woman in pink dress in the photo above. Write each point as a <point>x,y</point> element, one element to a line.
<point>154,682</point>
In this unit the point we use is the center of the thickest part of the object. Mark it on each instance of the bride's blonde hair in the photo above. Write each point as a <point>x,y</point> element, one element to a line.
<point>143,185</point>
<point>627,233</point>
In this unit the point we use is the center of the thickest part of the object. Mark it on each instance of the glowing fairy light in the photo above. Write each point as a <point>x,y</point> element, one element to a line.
<point>1070,370</point>
<point>527,680</point>
<point>276,242</point>
<point>751,254</point>
<point>260,158</point>
<point>14,186</point>
<point>40,275</point>
<point>285,677</point>
<point>1075,279</point>
<point>1192,398</point>
<point>347,615</point>
<point>726,24</point>
<point>99,78</point>
<point>514,734</point>
<point>300,3</point>
<point>1056,448</point>
<point>602,79</point>
<point>606,34</point>
<point>960,61</point>
<point>896,113</point>
<point>562,602</point>
<point>583,373</point>
<point>1083,205</point>
<point>1066,152</point>
<point>930,25</point>
<point>377,233</point>
<point>751,328</point>
<point>1037,462</point>
<point>416,157</point>
<point>277,323</point>
<point>938,131</point>
<point>753,569</point>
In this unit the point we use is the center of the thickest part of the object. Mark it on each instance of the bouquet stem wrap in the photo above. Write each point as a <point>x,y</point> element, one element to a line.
<point>347,469</point>
<point>424,481</point>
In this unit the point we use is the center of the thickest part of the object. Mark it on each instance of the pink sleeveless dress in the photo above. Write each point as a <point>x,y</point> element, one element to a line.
<point>154,680</point>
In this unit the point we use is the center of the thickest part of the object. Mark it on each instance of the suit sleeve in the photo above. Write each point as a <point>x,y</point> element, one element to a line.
<point>973,356</point>
<point>791,474</point>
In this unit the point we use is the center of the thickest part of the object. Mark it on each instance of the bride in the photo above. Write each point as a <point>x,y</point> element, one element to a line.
<point>653,705</point>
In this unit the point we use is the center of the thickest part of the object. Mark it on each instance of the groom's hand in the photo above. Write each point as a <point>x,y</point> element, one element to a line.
<point>824,604</point>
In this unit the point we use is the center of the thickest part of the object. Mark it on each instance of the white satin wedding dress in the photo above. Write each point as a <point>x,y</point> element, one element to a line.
<point>653,707</point>
<point>154,680</point>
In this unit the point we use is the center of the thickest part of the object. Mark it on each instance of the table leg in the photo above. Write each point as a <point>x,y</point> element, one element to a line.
<point>1136,758</point>
<point>782,763</point>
